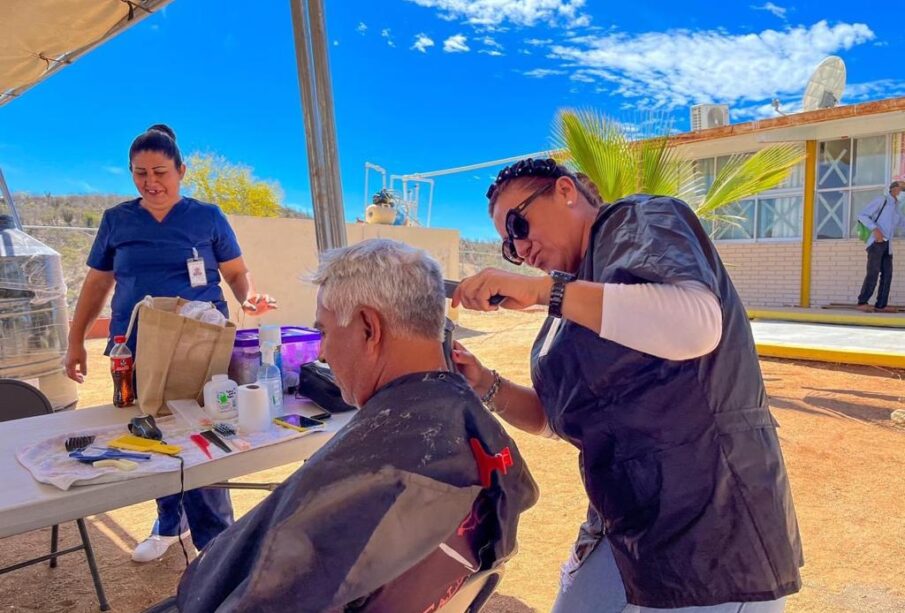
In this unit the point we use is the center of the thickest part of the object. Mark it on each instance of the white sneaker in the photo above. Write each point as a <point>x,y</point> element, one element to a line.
<point>155,546</point>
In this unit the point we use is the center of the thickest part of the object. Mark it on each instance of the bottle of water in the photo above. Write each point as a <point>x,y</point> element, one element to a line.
<point>269,378</point>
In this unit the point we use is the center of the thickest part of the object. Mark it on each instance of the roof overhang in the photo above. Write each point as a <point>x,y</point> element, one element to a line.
<point>40,37</point>
<point>811,125</point>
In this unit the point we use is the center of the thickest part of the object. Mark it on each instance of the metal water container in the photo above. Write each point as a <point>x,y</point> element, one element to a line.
<point>34,322</point>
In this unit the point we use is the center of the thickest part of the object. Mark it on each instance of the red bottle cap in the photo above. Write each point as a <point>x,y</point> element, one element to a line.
<point>119,338</point>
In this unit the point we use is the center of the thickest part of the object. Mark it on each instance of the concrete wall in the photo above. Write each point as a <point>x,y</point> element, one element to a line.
<point>766,274</point>
<point>280,252</point>
<point>838,268</point>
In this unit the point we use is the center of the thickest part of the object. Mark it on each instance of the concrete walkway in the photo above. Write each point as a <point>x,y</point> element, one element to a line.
<point>841,316</point>
<point>847,344</point>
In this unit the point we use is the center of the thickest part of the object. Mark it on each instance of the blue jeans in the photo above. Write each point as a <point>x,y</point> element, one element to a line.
<point>596,587</point>
<point>207,513</point>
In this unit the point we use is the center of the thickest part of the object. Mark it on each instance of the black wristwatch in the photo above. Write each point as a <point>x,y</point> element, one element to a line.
<point>558,291</point>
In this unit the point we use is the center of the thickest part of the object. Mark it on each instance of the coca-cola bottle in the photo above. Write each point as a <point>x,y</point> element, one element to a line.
<point>121,369</point>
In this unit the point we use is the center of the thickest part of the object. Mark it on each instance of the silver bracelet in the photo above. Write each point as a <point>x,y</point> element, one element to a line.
<point>487,399</point>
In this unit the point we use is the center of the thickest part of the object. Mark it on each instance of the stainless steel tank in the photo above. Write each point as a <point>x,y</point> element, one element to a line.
<point>34,322</point>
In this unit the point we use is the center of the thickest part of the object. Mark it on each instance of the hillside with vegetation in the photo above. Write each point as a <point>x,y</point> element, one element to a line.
<point>68,223</point>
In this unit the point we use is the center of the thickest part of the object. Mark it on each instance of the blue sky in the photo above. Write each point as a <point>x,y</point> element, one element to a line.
<point>421,85</point>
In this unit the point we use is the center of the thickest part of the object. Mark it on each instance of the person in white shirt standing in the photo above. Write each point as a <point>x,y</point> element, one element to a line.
<point>881,217</point>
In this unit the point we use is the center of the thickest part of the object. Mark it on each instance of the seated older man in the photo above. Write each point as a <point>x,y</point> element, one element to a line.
<point>420,491</point>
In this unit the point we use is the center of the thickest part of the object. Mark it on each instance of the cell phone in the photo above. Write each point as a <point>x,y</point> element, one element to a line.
<point>298,422</point>
<point>322,416</point>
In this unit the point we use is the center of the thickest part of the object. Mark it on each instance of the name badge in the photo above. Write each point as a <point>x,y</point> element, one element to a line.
<point>197,274</point>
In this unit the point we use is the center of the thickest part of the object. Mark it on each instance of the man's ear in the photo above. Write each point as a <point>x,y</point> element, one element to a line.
<point>372,326</point>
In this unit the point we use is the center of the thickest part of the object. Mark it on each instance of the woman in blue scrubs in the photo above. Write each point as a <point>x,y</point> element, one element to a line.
<point>646,363</point>
<point>142,248</point>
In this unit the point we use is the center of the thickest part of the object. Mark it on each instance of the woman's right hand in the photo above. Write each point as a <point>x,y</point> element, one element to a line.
<point>478,376</point>
<point>76,362</point>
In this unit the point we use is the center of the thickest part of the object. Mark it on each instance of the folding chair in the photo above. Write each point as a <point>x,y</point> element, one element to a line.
<point>21,400</point>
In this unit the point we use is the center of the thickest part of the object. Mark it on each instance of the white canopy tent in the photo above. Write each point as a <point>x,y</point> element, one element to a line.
<point>40,37</point>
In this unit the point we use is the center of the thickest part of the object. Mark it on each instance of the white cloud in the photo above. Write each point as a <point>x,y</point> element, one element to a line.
<point>516,12</point>
<point>762,111</point>
<point>491,52</point>
<point>524,52</point>
<point>540,73</point>
<point>114,170</point>
<point>422,43</point>
<point>538,42</point>
<point>681,67</point>
<point>385,33</point>
<point>456,44</point>
<point>362,28</point>
<point>871,90</point>
<point>778,11</point>
<point>582,77</point>
<point>490,42</point>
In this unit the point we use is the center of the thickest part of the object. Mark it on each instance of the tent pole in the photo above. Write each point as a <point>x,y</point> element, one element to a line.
<point>310,33</point>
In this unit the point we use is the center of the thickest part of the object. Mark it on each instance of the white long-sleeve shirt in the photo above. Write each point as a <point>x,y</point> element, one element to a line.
<point>887,221</point>
<point>674,321</point>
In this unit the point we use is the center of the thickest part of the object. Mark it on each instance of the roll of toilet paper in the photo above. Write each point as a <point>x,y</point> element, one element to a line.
<point>254,409</point>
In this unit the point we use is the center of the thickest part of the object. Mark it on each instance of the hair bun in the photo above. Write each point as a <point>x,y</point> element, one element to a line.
<point>162,127</point>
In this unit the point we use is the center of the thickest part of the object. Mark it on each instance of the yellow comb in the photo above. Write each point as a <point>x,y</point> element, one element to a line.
<point>130,442</point>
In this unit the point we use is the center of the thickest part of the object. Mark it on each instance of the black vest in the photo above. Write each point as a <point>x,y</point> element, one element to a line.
<point>679,458</point>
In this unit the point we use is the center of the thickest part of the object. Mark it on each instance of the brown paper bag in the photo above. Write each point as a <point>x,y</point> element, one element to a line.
<point>175,356</point>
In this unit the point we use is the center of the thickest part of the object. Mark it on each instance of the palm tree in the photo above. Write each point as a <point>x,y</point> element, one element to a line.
<point>620,165</point>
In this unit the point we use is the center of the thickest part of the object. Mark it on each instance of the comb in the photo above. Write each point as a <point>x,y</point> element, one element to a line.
<point>77,443</point>
<point>449,287</point>
<point>130,442</point>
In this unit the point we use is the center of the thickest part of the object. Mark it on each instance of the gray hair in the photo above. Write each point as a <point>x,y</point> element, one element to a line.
<point>402,283</point>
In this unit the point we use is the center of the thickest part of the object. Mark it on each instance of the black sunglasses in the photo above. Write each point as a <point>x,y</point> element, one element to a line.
<point>517,226</point>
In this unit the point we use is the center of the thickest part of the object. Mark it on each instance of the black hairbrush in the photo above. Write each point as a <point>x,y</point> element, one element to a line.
<point>77,443</point>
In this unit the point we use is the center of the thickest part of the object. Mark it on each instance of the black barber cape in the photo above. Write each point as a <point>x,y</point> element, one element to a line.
<point>361,521</point>
<point>680,459</point>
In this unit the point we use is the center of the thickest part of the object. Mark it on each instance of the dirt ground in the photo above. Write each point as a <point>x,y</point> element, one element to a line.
<point>845,459</point>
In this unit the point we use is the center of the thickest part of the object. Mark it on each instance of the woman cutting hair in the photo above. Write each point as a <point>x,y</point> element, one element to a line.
<point>646,363</point>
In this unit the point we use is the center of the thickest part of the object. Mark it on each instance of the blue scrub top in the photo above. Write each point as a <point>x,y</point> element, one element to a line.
<point>148,257</point>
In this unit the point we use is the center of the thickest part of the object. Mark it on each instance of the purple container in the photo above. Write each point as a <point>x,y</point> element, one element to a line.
<point>300,345</point>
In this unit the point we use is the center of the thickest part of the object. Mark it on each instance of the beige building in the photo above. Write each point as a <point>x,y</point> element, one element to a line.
<point>797,245</point>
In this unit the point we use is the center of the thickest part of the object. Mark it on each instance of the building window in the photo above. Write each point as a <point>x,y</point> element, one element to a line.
<point>850,173</point>
<point>773,214</point>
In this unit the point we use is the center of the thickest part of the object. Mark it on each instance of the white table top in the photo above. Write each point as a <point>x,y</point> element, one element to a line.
<point>26,504</point>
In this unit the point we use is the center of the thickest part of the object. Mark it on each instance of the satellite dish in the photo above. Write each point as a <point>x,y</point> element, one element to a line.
<point>825,87</point>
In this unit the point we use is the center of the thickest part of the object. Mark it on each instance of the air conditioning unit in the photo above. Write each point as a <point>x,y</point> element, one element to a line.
<point>704,116</point>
